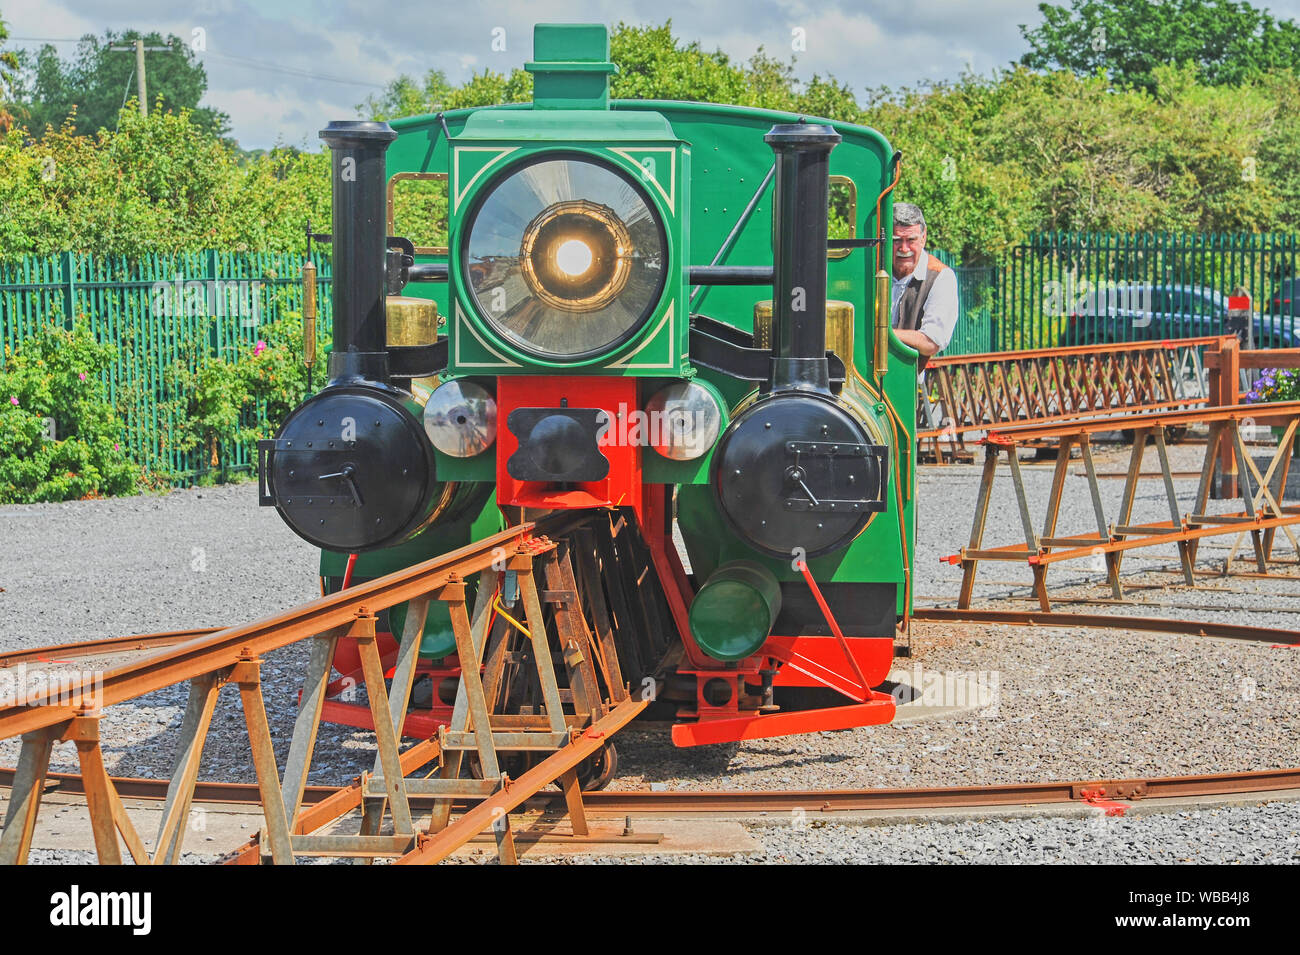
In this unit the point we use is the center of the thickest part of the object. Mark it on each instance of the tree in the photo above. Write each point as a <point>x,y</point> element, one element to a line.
<point>405,97</point>
<point>652,64</point>
<point>1229,41</point>
<point>98,80</point>
<point>8,79</point>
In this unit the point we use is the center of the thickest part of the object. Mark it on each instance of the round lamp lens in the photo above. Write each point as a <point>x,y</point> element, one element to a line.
<point>566,257</point>
<point>573,257</point>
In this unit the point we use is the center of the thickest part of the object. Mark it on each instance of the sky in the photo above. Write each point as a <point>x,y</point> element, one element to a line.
<point>282,70</point>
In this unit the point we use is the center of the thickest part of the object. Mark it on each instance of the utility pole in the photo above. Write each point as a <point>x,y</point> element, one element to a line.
<point>139,48</point>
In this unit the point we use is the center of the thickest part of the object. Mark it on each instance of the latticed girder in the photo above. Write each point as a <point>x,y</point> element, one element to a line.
<point>974,393</point>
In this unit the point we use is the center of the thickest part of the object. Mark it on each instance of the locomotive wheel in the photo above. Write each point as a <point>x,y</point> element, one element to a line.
<point>597,770</point>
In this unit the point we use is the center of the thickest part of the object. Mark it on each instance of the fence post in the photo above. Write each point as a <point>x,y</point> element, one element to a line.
<point>1224,371</point>
<point>69,289</point>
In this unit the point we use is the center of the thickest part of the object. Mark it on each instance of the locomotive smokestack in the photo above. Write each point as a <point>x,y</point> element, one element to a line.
<point>799,224</point>
<point>360,240</point>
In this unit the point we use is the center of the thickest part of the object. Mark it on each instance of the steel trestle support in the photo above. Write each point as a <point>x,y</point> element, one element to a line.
<point>1262,514</point>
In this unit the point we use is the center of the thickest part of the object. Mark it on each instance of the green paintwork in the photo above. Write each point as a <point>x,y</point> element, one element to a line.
<point>733,612</point>
<point>719,159</point>
<point>438,638</point>
<point>572,68</point>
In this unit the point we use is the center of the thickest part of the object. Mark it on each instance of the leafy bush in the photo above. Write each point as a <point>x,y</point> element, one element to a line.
<point>156,184</point>
<point>54,382</point>
<point>223,403</point>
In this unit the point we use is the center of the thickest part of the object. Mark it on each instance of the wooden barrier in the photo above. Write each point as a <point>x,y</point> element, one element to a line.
<point>1261,515</point>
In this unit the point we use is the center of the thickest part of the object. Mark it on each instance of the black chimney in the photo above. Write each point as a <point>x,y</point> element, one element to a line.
<point>799,224</point>
<point>360,238</point>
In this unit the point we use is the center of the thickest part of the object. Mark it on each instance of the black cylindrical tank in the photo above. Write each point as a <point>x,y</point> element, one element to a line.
<point>799,221</point>
<point>360,237</point>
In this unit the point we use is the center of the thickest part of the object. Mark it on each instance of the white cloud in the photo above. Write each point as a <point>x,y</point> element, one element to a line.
<point>863,44</point>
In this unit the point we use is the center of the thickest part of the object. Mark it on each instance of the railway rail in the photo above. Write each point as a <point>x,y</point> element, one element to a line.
<point>758,801</point>
<point>319,805</point>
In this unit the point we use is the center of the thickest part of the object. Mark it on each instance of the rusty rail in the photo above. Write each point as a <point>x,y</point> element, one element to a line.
<point>858,800</point>
<point>321,805</point>
<point>71,711</point>
<point>1108,541</point>
<point>965,394</point>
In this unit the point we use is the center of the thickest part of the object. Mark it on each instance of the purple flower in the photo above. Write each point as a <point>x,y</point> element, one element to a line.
<point>13,400</point>
<point>259,348</point>
<point>82,376</point>
<point>1252,396</point>
<point>116,446</point>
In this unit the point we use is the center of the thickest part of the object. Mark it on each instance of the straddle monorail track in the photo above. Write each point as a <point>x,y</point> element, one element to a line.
<point>1262,514</point>
<point>978,393</point>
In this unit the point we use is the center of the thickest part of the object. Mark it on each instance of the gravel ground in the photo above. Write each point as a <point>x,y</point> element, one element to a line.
<point>1070,703</point>
<point>83,570</point>
<point>1263,834</point>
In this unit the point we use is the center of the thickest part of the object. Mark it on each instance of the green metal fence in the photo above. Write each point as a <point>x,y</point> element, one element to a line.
<point>1057,288</point>
<point>158,310</point>
<point>977,288</point>
<point>1085,288</point>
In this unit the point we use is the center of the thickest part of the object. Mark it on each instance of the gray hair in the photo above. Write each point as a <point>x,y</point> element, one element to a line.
<point>906,214</point>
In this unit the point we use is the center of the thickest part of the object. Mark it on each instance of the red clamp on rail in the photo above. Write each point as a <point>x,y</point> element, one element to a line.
<point>994,437</point>
<point>1097,797</point>
<point>953,559</point>
<point>593,733</point>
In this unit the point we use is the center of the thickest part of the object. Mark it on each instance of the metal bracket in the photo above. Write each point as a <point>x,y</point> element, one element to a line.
<point>265,496</point>
<point>731,352</point>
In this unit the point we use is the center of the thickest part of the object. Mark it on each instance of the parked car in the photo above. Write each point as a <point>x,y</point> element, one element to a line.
<point>1284,305</point>
<point>1125,313</point>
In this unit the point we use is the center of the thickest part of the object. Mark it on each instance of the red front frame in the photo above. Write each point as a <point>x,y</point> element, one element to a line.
<point>616,397</point>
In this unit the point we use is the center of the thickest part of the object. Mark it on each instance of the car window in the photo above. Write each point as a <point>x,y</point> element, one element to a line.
<point>1160,301</point>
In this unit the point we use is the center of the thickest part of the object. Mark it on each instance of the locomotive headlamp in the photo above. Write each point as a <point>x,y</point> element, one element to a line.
<point>460,418</point>
<point>565,257</point>
<point>575,256</point>
<point>684,421</point>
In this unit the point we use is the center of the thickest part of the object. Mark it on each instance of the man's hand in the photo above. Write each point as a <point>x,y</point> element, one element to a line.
<point>921,342</point>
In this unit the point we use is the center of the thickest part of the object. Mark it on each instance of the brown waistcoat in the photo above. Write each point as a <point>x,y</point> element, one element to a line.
<point>912,302</point>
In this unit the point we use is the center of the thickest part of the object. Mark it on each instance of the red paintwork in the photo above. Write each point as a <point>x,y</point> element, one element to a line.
<point>879,709</point>
<point>419,724</point>
<point>621,487</point>
<point>875,656</point>
<point>347,658</point>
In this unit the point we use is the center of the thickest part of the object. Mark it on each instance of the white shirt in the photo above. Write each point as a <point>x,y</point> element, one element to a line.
<point>939,313</point>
